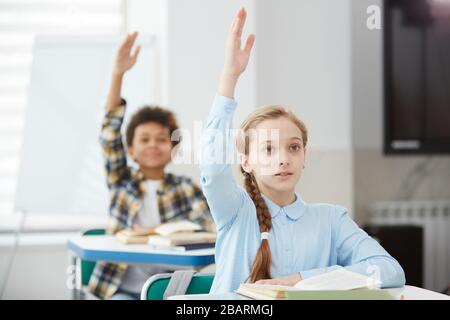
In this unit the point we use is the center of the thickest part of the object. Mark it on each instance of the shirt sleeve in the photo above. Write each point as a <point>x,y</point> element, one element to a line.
<point>112,146</point>
<point>200,211</point>
<point>217,151</point>
<point>360,253</point>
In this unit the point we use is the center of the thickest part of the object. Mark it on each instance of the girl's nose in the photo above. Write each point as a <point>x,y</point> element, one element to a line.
<point>284,159</point>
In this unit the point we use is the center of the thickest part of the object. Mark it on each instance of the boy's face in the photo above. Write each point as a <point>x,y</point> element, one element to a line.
<point>151,146</point>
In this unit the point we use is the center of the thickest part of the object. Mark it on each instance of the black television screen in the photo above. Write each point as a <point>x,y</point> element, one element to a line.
<point>417,76</point>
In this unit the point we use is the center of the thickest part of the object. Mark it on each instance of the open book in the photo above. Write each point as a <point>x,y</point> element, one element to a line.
<point>339,284</point>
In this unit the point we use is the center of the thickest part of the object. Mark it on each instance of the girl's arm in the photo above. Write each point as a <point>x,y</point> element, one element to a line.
<point>358,252</point>
<point>222,193</point>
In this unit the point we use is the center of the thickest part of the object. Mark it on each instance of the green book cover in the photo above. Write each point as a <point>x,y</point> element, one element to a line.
<point>358,294</point>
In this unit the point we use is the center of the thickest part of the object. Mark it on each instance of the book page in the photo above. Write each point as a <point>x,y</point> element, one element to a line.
<point>340,279</point>
<point>177,226</point>
<point>267,287</point>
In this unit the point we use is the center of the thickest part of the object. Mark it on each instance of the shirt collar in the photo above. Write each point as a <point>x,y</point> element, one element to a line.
<point>167,181</point>
<point>294,210</point>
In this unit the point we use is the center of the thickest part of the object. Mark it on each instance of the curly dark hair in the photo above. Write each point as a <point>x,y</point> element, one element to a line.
<point>164,117</point>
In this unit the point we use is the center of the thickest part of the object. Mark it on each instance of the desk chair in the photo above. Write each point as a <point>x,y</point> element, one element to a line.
<point>161,286</point>
<point>87,267</point>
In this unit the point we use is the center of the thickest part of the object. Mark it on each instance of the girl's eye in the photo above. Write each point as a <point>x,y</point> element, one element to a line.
<point>295,148</point>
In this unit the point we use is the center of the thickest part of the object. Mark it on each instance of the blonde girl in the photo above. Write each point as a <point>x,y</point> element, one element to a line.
<point>266,232</point>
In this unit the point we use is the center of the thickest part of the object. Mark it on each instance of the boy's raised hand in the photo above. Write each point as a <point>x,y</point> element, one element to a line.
<point>236,59</point>
<point>125,59</point>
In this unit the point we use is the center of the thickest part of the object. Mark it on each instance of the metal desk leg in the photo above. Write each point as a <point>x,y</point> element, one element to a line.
<point>78,278</point>
<point>74,277</point>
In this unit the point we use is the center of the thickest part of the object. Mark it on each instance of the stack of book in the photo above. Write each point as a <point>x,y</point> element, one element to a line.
<point>182,241</point>
<point>174,236</point>
<point>132,237</point>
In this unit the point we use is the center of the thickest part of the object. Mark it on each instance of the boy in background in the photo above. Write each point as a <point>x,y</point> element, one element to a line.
<point>142,198</point>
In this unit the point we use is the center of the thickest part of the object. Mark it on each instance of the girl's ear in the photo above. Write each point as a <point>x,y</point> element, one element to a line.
<point>304,158</point>
<point>245,163</point>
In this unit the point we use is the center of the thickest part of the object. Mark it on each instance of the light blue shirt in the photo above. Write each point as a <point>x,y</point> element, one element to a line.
<point>306,238</point>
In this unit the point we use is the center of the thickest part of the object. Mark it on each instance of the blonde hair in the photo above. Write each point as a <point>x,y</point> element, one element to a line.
<point>261,263</point>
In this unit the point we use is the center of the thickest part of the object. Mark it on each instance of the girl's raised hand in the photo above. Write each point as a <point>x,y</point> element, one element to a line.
<point>125,59</point>
<point>236,59</point>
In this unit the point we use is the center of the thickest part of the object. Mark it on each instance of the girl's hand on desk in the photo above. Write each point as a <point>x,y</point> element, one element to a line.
<point>282,281</point>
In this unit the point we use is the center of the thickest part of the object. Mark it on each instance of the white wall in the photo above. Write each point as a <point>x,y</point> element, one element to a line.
<point>303,62</point>
<point>150,17</point>
<point>367,73</point>
<point>39,269</point>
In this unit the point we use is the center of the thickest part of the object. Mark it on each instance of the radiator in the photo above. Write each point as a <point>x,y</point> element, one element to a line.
<point>434,217</point>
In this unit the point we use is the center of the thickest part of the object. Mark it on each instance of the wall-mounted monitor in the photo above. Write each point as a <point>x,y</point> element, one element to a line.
<point>417,76</point>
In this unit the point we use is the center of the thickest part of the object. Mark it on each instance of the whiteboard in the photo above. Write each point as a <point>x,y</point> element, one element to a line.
<point>61,167</point>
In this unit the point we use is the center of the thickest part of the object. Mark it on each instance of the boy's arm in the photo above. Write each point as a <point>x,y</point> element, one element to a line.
<point>112,146</point>
<point>111,137</point>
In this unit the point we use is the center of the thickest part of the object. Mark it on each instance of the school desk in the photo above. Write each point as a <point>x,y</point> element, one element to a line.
<point>408,292</point>
<point>108,248</point>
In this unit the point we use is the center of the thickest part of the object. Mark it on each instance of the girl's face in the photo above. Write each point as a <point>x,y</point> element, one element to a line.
<point>276,155</point>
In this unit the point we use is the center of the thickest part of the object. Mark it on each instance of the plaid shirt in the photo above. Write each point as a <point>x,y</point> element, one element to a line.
<point>178,198</point>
